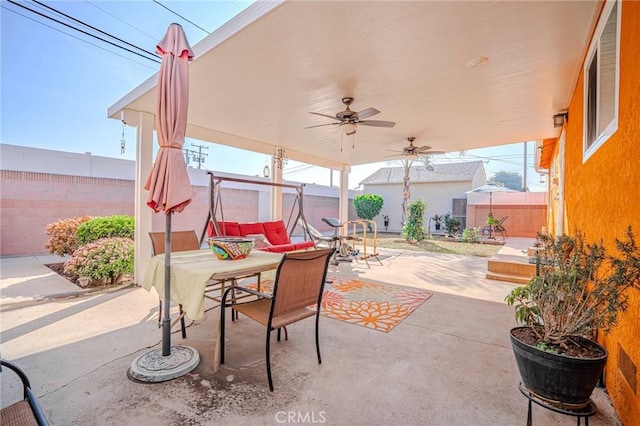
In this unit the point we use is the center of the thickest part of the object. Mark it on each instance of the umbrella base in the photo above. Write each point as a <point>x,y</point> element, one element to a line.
<point>152,367</point>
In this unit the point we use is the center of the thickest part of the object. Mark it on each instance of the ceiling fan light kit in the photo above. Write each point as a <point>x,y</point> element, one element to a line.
<point>348,128</point>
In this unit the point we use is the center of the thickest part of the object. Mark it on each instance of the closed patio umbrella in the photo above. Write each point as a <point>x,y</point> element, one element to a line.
<point>169,191</point>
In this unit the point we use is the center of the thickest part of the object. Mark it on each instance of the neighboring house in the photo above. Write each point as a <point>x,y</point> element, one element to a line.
<point>594,181</point>
<point>442,186</point>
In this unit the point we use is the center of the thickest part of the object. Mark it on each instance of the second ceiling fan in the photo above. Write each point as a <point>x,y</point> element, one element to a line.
<point>415,151</point>
<point>348,120</point>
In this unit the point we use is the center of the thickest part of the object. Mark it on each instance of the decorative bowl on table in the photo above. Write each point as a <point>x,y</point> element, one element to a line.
<point>231,248</point>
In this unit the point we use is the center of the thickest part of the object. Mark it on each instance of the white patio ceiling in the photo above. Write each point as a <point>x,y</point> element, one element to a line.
<point>255,80</point>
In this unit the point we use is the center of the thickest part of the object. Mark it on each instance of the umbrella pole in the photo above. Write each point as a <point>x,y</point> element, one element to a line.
<point>166,363</point>
<point>166,319</point>
<point>490,202</point>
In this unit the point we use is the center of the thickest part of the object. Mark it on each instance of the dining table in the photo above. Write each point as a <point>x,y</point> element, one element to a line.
<point>194,271</point>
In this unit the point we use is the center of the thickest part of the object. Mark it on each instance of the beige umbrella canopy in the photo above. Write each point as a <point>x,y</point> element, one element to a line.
<point>168,183</point>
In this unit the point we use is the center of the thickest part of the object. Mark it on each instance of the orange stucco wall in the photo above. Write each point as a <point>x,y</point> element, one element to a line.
<point>602,198</point>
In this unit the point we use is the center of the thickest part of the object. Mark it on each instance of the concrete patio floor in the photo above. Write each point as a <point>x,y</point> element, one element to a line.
<point>449,363</point>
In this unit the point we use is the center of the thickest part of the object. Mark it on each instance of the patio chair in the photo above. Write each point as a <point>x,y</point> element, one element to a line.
<point>180,241</point>
<point>26,411</point>
<point>299,284</point>
<point>499,228</point>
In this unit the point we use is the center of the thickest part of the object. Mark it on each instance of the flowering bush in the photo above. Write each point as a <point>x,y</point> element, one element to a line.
<point>104,227</point>
<point>63,235</point>
<point>104,261</point>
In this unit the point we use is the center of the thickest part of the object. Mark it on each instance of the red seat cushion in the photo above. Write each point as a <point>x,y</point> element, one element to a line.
<point>252,228</point>
<point>279,249</point>
<point>229,229</point>
<point>303,245</point>
<point>276,233</point>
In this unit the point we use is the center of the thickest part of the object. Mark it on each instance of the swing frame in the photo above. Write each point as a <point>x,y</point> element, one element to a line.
<point>215,204</point>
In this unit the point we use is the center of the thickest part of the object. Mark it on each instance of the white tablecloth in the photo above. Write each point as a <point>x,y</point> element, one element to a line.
<point>191,270</point>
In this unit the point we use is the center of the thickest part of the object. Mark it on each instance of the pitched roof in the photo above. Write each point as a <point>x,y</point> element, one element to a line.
<point>452,172</point>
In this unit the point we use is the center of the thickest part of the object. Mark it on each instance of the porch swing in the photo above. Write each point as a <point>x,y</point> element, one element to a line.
<point>277,234</point>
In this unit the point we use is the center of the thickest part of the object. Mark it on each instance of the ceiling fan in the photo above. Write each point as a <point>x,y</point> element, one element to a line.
<point>348,120</point>
<point>414,151</point>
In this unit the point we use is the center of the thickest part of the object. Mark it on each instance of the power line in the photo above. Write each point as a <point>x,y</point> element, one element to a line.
<point>77,38</point>
<point>94,28</point>
<point>121,20</point>
<point>177,14</point>
<point>82,31</point>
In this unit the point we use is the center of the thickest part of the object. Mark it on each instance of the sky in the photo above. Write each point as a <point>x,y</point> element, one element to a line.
<point>57,84</point>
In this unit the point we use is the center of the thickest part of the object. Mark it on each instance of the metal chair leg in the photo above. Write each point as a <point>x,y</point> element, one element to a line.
<point>317,336</point>
<point>223,305</point>
<point>269,359</point>
<point>182,324</point>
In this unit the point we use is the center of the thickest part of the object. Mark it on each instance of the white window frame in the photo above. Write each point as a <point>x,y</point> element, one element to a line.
<point>594,48</point>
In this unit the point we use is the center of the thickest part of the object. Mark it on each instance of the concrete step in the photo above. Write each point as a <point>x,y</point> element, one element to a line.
<point>513,268</point>
<point>516,267</point>
<point>516,279</point>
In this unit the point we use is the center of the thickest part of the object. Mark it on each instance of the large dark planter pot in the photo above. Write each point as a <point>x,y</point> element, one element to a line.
<point>558,378</point>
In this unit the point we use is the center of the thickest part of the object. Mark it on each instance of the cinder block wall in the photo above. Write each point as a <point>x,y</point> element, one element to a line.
<point>30,201</point>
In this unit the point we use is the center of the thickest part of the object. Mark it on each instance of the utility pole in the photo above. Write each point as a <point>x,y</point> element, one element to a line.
<point>197,156</point>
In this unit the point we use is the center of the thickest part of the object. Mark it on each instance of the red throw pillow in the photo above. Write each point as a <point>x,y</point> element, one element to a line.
<point>276,232</point>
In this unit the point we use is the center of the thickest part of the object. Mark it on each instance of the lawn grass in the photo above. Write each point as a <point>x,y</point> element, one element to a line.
<point>435,244</point>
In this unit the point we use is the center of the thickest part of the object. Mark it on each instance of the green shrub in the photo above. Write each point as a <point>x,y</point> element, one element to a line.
<point>62,235</point>
<point>105,227</point>
<point>412,229</point>
<point>104,261</point>
<point>451,225</point>
<point>471,235</point>
<point>367,206</point>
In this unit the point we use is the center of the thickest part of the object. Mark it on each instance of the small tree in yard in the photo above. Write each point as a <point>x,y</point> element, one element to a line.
<point>368,206</point>
<point>412,229</point>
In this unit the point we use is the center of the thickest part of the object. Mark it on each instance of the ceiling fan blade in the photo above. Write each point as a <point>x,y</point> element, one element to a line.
<point>422,148</point>
<point>366,113</point>
<point>433,152</point>
<point>377,123</point>
<point>326,115</point>
<point>320,125</point>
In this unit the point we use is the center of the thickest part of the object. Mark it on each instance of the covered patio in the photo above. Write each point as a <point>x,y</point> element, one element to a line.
<point>455,75</point>
<point>448,363</point>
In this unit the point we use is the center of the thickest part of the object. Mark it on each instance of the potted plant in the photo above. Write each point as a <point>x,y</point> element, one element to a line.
<point>580,289</point>
<point>438,221</point>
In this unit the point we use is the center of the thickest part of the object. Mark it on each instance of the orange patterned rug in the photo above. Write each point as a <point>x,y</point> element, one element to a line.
<point>373,305</point>
<point>368,304</point>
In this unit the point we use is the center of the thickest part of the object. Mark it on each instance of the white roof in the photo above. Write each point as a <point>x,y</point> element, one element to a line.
<point>255,80</point>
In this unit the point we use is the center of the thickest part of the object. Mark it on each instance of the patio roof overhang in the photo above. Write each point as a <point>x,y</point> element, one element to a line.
<point>255,79</point>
